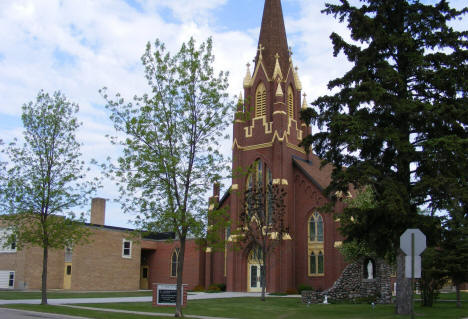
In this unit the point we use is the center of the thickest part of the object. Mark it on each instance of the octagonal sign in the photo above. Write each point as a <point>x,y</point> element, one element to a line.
<point>419,241</point>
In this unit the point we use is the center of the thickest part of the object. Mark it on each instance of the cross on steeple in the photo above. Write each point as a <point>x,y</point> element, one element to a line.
<point>260,49</point>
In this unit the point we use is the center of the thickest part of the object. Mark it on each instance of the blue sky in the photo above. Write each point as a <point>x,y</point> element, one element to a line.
<point>80,46</point>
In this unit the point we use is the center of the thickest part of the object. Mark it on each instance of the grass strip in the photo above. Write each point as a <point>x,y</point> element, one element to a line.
<point>81,312</point>
<point>290,308</point>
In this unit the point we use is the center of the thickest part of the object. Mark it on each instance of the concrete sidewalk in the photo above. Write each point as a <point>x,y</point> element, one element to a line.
<point>191,296</point>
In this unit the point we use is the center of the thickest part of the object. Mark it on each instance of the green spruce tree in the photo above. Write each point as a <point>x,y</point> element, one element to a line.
<point>455,247</point>
<point>398,121</point>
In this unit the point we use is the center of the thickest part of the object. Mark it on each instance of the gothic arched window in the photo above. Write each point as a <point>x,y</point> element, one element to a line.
<point>174,262</point>
<point>260,100</point>
<point>261,177</point>
<point>290,102</point>
<point>316,245</point>
<point>316,228</point>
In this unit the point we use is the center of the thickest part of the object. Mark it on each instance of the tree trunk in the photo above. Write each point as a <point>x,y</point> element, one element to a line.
<point>263,275</point>
<point>180,268</point>
<point>458,296</point>
<point>45,257</point>
<point>403,289</point>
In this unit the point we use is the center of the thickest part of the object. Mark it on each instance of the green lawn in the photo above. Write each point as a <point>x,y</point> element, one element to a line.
<point>253,308</point>
<point>453,296</point>
<point>291,308</point>
<point>12,295</point>
<point>81,312</point>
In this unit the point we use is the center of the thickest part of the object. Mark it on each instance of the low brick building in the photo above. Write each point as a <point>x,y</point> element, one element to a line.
<point>114,259</point>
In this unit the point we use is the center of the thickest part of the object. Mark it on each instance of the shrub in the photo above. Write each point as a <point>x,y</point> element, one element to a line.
<point>221,287</point>
<point>291,291</point>
<point>304,287</point>
<point>213,289</point>
<point>277,294</point>
<point>198,288</point>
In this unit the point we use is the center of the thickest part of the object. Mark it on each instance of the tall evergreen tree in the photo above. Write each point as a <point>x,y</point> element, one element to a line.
<point>455,247</point>
<point>399,119</point>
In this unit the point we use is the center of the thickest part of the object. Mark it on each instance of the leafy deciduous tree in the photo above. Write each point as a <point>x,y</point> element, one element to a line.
<point>171,144</point>
<point>262,224</point>
<point>45,179</point>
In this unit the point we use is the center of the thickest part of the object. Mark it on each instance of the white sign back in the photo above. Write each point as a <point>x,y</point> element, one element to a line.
<point>419,241</point>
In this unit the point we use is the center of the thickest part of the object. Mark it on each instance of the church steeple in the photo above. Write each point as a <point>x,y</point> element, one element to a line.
<point>273,39</point>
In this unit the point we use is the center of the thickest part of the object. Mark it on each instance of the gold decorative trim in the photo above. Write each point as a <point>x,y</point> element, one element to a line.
<point>279,90</point>
<point>280,112</point>
<point>276,181</point>
<point>275,235</point>
<point>248,78</point>
<point>268,126</point>
<point>233,238</point>
<point>284,181</point>
<point>338,244</point>
<point>297,81</point>
<point>295,147</point>
<point>235,187</point>
<point>211,207</point>
<point>259,64</point>
<point>277,71</point>
<point>268,144</point>
<point>208,249</point>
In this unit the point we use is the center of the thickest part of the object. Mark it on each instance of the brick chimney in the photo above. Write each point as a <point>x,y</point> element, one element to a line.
<point>98,211</point>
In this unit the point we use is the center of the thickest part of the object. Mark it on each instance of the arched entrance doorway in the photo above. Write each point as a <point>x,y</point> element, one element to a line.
<point>255,270</point>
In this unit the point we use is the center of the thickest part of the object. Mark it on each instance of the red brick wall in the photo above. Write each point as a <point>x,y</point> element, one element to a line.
<point>160,264</point>
<point>308,199</point>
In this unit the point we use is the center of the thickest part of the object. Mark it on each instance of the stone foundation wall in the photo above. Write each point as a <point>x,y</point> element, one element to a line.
<point>352,286</point>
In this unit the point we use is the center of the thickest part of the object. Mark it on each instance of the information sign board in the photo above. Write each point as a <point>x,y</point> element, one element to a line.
<point>166,295</point>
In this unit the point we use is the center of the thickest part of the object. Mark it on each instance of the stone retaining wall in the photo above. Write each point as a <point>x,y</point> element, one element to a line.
<point>352,286</point>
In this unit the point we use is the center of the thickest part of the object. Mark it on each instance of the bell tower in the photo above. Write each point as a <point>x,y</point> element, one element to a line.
<point>268,130</point>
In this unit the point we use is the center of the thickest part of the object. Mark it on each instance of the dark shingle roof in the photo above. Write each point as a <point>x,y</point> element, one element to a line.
<point>273,38</point>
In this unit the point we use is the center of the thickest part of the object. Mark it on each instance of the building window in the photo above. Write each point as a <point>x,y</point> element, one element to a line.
<point>68,254</point>
<point>316,228</point>
<point>174,262</point>
<point>290,102</point>
<point>69,270</point>
<point>316,263</point>
<point>7,241</point>
<point>261,176</point>
<point>126,248</point>
<point>316,246</point>
<point>11,280</point>
<point>260,100</point>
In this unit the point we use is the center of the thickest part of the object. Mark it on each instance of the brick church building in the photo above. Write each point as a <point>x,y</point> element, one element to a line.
<point>267,132</point>
<point>266,141</point>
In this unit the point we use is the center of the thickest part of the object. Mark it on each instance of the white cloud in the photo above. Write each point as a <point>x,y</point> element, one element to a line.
<point>81,46</point>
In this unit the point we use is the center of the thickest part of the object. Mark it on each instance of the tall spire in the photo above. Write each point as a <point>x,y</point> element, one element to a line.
<point>272,38</point>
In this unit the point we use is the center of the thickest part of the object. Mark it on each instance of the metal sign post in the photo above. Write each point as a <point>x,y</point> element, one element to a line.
<point>413,243</point>
<point>412,276</point>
